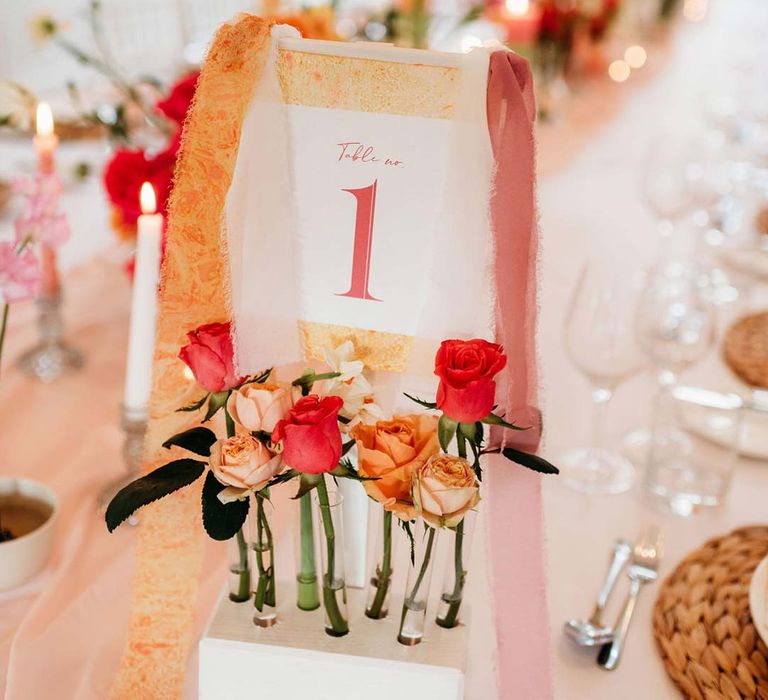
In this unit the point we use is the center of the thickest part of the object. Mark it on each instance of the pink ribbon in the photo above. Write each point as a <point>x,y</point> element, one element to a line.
<point>513,497</point>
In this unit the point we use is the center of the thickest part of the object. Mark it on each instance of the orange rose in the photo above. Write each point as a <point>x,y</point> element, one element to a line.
<point>444,489</point>
<point>390,451</point>
<point>243,465</point>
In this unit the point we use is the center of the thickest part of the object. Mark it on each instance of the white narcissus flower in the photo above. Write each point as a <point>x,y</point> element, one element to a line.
<point>351,386</point>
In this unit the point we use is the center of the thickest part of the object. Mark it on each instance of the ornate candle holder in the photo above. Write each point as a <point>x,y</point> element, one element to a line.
<point>134,424</point>
<point>51,357</point>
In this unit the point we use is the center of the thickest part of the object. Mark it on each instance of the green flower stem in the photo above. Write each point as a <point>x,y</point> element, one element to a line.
<point>451,617</point>
<point>230,423</point>
<point>122,85</point>
<point>308,595</point>
<point>339,625</point>
<point>3,327</point>
<point>383,577</point>
<point>265,588</point>
<point>411,599</point>
<point>244,584</point>
<point>461,443</point>
<point>419,24</point>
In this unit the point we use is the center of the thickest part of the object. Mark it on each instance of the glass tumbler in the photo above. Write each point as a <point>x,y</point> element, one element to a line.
<point>695,448</point>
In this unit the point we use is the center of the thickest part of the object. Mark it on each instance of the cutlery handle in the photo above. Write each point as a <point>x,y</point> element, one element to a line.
<point>610,654</point>
<point>621,553</point>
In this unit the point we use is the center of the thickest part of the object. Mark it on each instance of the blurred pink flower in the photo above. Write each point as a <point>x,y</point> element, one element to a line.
<point>20,274</point>
<point>41,221</point>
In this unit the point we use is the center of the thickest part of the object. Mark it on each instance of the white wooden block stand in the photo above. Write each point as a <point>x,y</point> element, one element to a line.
<point>297,660</point>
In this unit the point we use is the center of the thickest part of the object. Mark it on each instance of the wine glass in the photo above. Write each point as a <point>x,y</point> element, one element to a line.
<point>675,327</point>
<point>676,318</point>
<point>600,340</point>
<point>665,182</point>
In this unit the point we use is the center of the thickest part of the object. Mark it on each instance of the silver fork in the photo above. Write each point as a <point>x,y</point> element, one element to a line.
<point>642,569</point>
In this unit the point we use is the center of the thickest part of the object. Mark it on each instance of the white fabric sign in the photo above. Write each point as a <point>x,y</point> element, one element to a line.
<point>373,221</point>
<point>362,252</point>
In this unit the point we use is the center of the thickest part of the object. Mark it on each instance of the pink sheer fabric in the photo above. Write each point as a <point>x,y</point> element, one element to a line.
<point>515,529</point>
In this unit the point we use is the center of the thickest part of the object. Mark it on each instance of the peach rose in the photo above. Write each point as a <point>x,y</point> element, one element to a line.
<point>390,451</point>
<point>261,406</point>
<point>243,464</point>
<point>444,489</point>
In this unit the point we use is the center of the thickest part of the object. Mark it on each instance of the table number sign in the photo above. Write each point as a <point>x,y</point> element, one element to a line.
<point>329,192</point>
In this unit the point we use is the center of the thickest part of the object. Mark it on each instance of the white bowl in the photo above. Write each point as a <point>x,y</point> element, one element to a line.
<point>30,509</point>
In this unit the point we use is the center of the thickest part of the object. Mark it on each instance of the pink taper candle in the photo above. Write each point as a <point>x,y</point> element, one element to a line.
<point>46,142</point>
<point>523,19</point>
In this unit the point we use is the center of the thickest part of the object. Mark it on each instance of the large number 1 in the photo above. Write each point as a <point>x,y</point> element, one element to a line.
<point>361,254</point>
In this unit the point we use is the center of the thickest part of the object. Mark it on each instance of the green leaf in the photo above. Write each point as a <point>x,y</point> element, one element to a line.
<point>529,461</point>
<point>347,446</point>
<point>193,406</point>
<point>476,463</point>
<point>197,440</point>
<point>421,402</point>
<point>493,419</point>
<point>281,478</point>
<point>259,378</point>
<point>446,430</point>
<point>306,483</point>
<point>469,431</point>
<point>217,401</point>
<point>221,520</point>
<point>157,484</point>
<point>345,470</point>
<point>262,436</point>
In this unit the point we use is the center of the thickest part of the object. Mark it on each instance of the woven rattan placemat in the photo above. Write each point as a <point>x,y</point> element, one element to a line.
<point>745,349</point>
<point>702,624</point>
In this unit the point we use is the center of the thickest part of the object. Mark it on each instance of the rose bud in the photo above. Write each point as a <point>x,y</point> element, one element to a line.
<point>259,407</point>
<point>444,489</point>
<point>243,464</point>
<point>310,434</point>
<point>467,369</point>
<point>390,451</point>
<point>209,355</point>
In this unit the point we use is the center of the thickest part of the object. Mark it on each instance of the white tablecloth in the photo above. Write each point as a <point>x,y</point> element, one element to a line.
<point>593,207</point>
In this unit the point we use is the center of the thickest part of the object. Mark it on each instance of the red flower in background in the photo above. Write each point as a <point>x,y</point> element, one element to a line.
<point>557,22</point>
<point>128,169</point>
<point>176,104</point>
<point>125,174</point>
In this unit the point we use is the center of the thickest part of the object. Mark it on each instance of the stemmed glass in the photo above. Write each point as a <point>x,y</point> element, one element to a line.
<point>675,327</point>
<point>676,318</point>
<point>665,183</point>
<point>600,340</point>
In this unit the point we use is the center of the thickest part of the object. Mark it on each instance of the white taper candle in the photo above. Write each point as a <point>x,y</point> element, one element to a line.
<point>141,342</point>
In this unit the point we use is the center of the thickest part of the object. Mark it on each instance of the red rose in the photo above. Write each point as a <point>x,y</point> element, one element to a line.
<point>467,369</point>
<point>209,355</point>
<point>126,172</point>
<point>310,434</point>
<point>176,104</point>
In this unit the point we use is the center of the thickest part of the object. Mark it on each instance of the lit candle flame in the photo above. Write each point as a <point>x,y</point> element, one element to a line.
<point>148,199</point>
<point>44,119</point>
<point>518,7</point>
